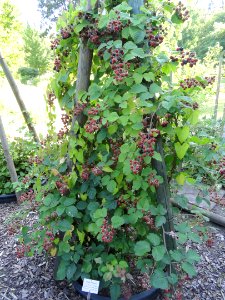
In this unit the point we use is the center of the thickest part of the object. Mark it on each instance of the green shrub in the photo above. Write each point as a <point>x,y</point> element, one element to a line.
<point>21,150</point>
<point>27,74</point>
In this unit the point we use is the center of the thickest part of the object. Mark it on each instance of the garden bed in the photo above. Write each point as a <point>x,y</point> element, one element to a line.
<point>32,278</point>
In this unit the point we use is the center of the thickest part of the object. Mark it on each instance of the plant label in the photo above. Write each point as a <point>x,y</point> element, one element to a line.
<point>90,286</point>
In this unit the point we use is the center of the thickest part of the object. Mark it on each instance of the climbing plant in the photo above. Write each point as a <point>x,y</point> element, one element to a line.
<point>100,207</point>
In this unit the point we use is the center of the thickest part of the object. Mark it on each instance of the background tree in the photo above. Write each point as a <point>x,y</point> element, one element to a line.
<point>204,31</point>
<point>51,9</point>
<point>11,35</point>
<point>37,50</point>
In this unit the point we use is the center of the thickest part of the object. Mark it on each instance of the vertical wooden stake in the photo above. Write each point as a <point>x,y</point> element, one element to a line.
<point>218,86</point>
<point>19,100</point>
<point>8,158</point>
<point>162,192</point>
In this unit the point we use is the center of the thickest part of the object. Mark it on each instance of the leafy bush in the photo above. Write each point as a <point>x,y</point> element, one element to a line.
<point>101,211</point>
<point>206,155</point>
<point>27,74</point>
<point>21,150</point>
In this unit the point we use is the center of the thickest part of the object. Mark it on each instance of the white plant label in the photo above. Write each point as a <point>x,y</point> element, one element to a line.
<point>90,286</point>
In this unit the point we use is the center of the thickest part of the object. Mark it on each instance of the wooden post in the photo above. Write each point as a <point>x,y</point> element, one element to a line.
<point>218,86</point>
<point>17,95</point>
<point>163,195</point>
<point>8,158</point>
<point>162,192</point>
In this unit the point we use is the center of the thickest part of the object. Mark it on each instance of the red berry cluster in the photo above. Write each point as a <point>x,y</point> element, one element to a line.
<point>185,57</point>
<point>182,12</point>
<point>66,32</point>
<point>51,99</point>
<point>92,34</point>
<point>92,125</point>
<point>146,144</point>
<point>136,165</point>
<point>26,179</point>
<point>79,108</point>
<point>153,181</point>
<point>62,132</point>
<point>66,119</point>
<point>94,111</point>
<point>54,44</point>
<point>28,196</point>
<point>115,26</point>
<point>154,36</point>
<point>97,171</point>
<point>35,160</point>
<point>119,67</point>
<point>20,251</point>
<point>192,82</point>
<point>85,172</point>
<point>57,64</point>
<point>48,241</point>
<point>149,220</point>
<point>107,231</point>
<point>62,188</point>
<point>115,146</point>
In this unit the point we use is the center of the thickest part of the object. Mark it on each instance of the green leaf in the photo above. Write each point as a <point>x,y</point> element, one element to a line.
<point>176,255</point>
<point>154,239</point>
<point>157,156</point>
<point>154,88</point>
<point>137,35</point>
<point>64,247</point>
<point>112,117</point>
<point>125,32</point>
<point>60,210</point>
<point>181,149</point>
<point>192,256</point>
<point>111,186</point>
<point>130,45</point>
<point>64,225</point>
<point>124,120</point>
<point>159,280</point>
<point>181,178</point>
<point>117,221</point>
<point>71,211</point>
<point>149,76</point>
<point>141,248</point>
<point>102,21</point>
<point>100,213</point>
<point>159,221</point>
<point>158,252</point>
<point>112,129</point>
<point>182,133</point>
<point>71,271</point>
<point>175,19</point>
<point>115,291</point>
<point>189,269</point>
<point>193,119</point>
<point>138,77</point>
<point>107,169</point>
<point>139,52</point>
<point>138,88</point>
<point>67,201</point>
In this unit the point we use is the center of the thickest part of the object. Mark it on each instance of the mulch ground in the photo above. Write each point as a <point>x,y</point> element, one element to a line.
<point>31,278</point>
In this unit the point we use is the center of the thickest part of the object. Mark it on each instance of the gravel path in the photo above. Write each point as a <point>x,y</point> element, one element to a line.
<point>31,278</point>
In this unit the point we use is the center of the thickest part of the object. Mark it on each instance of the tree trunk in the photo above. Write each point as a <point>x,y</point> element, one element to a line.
<point>218,86</point>
<point>8,158</point>
<point>17,95</point>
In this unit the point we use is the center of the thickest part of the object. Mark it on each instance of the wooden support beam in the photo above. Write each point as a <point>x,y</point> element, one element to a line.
<point>8,158</point>
<point>19,99</point>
